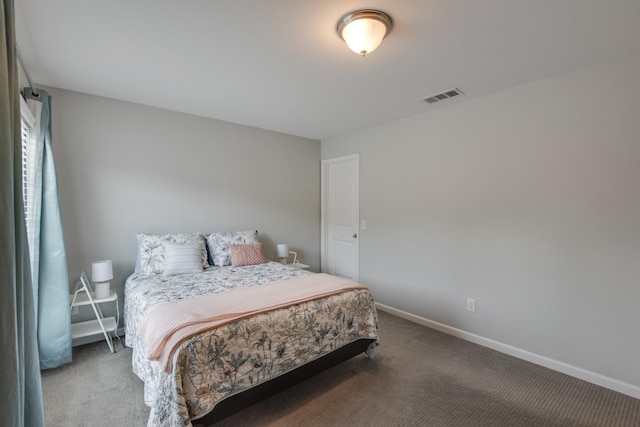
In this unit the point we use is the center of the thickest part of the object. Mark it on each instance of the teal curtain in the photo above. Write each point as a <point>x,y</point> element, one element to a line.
<point>49,259</point>
<point>20,386</point>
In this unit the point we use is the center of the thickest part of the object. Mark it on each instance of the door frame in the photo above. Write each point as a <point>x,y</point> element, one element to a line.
<point>324,229</point>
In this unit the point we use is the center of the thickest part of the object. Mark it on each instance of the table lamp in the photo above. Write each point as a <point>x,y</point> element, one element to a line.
<point>283,253</point>
<point>101,274</point>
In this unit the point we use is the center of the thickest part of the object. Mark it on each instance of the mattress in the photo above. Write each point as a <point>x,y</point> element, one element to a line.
<point>218,363</point>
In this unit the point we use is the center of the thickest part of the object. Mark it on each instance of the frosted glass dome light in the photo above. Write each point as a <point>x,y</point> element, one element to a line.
<point>363,30</point>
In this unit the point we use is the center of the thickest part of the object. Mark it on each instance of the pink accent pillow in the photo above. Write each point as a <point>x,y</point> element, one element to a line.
<point>250,254</point>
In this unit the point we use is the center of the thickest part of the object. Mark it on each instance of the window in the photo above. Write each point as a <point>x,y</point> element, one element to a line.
<point>29,165</point>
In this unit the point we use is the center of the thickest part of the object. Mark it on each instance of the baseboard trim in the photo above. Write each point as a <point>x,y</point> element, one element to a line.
<point>565,368</point>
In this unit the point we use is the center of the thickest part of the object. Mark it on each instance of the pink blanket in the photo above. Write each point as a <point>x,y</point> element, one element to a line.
<point>169,325</point>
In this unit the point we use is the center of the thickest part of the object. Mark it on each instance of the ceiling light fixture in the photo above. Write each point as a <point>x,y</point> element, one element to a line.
<point>363,30</point>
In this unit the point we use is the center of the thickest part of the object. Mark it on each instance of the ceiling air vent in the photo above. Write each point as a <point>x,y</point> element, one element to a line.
<point>443,95</point>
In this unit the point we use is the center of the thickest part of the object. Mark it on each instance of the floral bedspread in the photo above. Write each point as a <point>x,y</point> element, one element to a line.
<point>225,361</point>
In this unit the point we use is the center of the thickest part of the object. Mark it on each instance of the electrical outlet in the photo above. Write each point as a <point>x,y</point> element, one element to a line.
<point>471,304</point>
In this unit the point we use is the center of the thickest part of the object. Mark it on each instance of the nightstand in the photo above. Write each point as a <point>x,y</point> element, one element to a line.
<point>84,295</point>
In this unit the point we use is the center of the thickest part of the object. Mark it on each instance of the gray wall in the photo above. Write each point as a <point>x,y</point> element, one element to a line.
<point>125,168</point>
<point>527,200</point>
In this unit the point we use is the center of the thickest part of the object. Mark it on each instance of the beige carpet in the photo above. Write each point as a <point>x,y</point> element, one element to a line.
<point>420,377</point>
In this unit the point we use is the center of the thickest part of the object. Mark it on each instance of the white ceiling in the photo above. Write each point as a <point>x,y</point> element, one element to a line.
<point>279,64</point>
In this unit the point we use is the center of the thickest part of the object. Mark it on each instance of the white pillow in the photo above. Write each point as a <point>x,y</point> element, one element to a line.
<point>182,258</point>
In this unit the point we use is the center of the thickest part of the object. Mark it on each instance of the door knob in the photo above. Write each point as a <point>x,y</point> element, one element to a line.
<point>355,235</point>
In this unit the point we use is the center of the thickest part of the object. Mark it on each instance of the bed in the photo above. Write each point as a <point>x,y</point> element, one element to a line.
<point>223,363</point>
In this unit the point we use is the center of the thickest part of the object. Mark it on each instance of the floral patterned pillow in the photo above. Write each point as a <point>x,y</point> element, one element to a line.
<point>218,244</point>
<point>151,250</point>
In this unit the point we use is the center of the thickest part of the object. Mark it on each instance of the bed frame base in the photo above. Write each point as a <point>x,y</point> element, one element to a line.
<point>236,403</point>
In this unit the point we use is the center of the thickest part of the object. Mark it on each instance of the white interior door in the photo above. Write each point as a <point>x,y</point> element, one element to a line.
<point>340,216</point>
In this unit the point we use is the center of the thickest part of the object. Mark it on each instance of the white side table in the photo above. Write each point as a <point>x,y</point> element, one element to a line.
<point>84,295</point>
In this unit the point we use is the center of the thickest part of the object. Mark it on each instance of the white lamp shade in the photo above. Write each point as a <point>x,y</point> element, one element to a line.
<point>101,271</point>
<point>283,251</point>
<point>363,36</point>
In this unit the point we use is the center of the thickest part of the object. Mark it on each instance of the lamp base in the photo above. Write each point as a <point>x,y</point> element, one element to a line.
<point>284,260</point>
<point>102,289</point>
